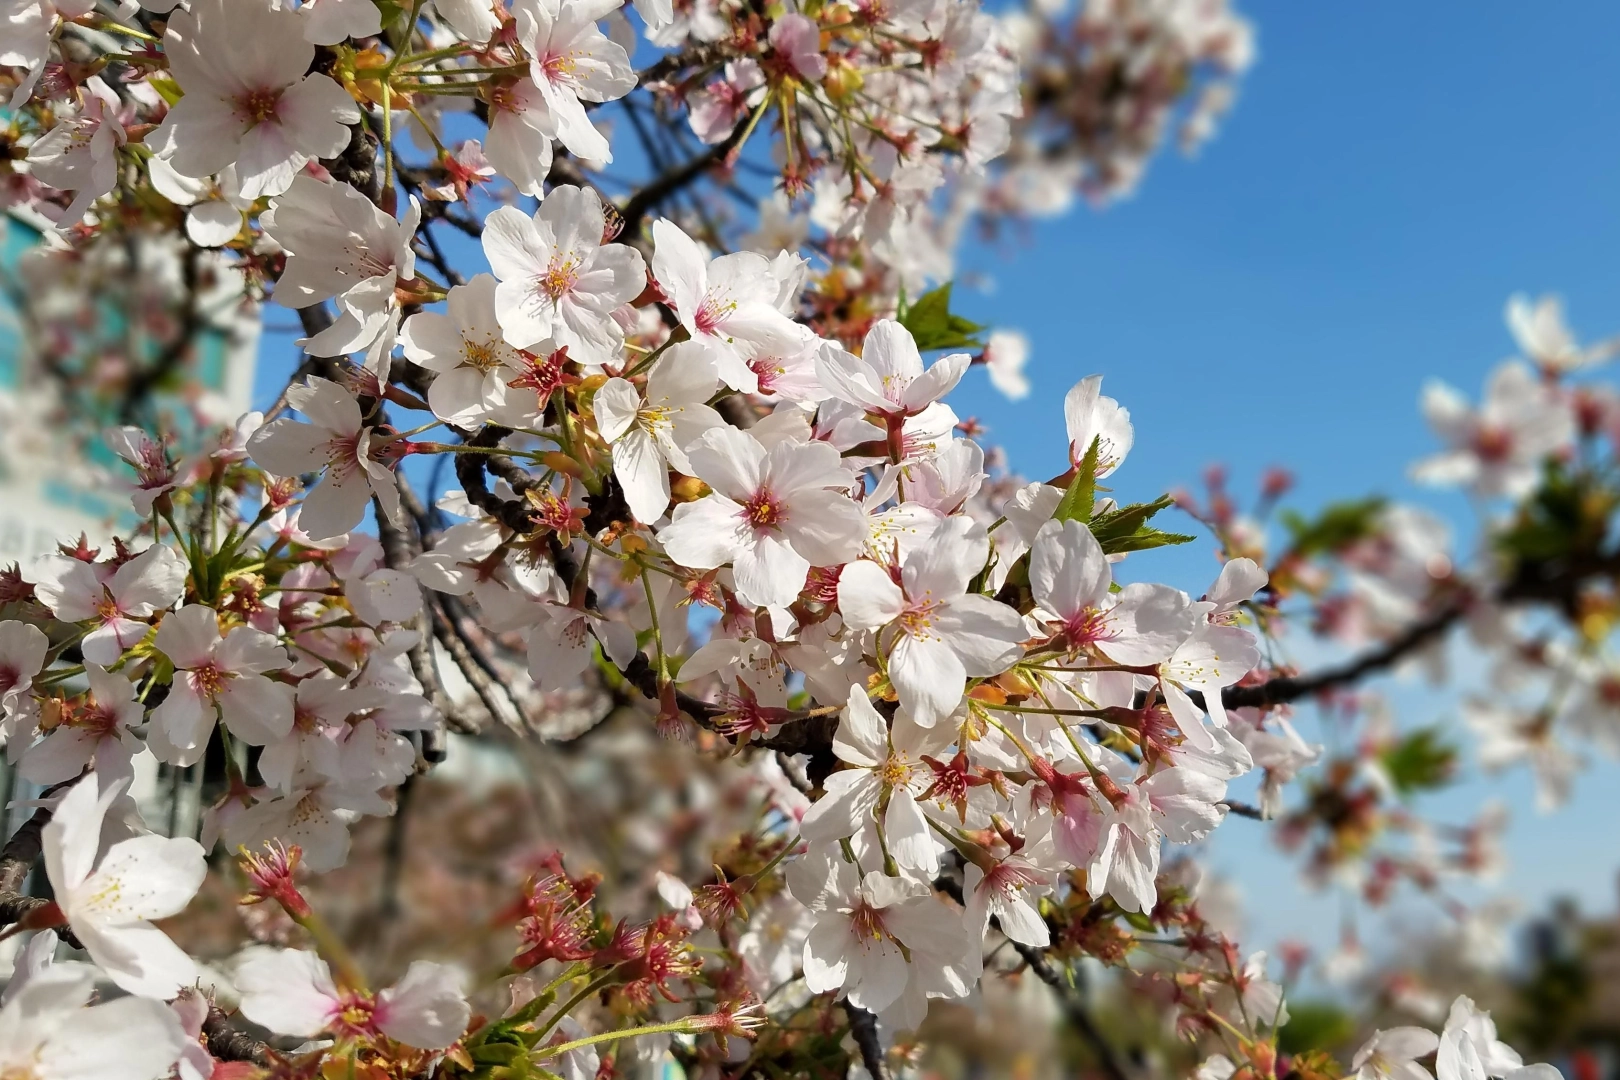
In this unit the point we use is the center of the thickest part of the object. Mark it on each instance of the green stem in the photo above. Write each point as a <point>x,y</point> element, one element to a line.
<point>577,1000</point>
<point>547,1052</point>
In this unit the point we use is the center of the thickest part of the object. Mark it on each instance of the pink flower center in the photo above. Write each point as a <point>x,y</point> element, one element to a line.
<point>354,1015</point>
<point>257,106</point>
<point>99,719</point>
<point>560,277</point>
<point>559,68</point>
<point>918,620</point>
<point>1493,444</point>
<point>343,455</point>
<point>769,370</point>
<point>866,923</point>
<point>712,312</point>
<point>1008,880</point>
<point>764,510</point>
<point>1084,627</point>
<point>210,679</point>
<point>9,677</point>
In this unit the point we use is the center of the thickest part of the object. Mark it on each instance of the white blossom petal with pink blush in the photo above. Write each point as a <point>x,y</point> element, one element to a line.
<point>219,677</point>
<point>336,442</point>
<point>464,348</point>
<point>426,1009</point>
<point>649,435</point>
<point>80,154</point>
<point>248,98</point>
<point>151,582</point>
<point>22,656</point>
<point>100,732</point>
<point>558,280</point>
<point>727,303</point>
<point>936,632</point>
<point>573,62</point>
<point>1092,417</point>
<point>46,1032</point>
<point>798,40</point>
<point>328,22</point>
<point>772,514</point>
<point>109,903</point>
<point>341,246</point>
<point>888,377</point>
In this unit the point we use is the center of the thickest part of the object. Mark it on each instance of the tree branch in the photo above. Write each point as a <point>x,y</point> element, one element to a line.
<point>229,1044</point>
<point>1553,581</point>
<point>863,1029</point>
<point>668,183</point>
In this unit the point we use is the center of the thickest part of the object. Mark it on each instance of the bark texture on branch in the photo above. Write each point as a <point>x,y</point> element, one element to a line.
<point>863,1029</point>
<point>229,1044</point>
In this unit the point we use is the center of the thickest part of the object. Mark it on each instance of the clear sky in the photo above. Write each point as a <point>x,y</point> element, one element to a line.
<point>1391,173</point>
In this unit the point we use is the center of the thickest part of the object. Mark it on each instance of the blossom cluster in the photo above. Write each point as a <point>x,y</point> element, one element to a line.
<point>708,476</point>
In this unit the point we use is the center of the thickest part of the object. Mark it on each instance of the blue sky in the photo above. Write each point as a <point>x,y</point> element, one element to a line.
<point>1391,173</point>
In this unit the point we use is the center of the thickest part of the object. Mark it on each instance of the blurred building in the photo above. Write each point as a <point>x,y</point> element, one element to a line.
<point>127,330</point>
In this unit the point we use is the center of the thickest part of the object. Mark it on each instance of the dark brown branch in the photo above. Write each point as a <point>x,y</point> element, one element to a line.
<point>1557,582</point>
<point>666,184</point>
<point>229,1044</point>
<point>863,1029</point>
<point>494,697</point>
<point>1075,1011</point>
<point>670,63</point>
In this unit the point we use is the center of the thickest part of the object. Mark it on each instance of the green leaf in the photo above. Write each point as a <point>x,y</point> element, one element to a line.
<point>1078,502</point>
<point>1338,525</point>
<point>1139,921</point>
<point>166,88</point>
<point>1315,1025</point>
<point>1420,761</point>
<point>1145,538</point>
<point>932,324</point>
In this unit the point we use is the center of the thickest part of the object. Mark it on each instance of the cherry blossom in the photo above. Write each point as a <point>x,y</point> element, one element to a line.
<point>727,303</point>
<point>772,514</point>
<point>46,1030</point>
<point>573,62</point>
<point>1092,417</point>
<point>221,676</point>
<point>109,901</point>
<point>80,154</point>
<point>888,771</point>
<point>339,444</point>
<point>888,377</point>
<point>248,99</point>
<point>339,245</point>
<point>888,942</point>
<point>474,363</point>
<point>22,656</point>
<point>1392,1054</point>
<point>118,603</point>
<point>1496,449</point>
<point>292,991</point>
<point>1469,1050</point>
<point>649,434</point>
<point>557,279</point>
<point>935,632</point>
<point>101,732</point>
